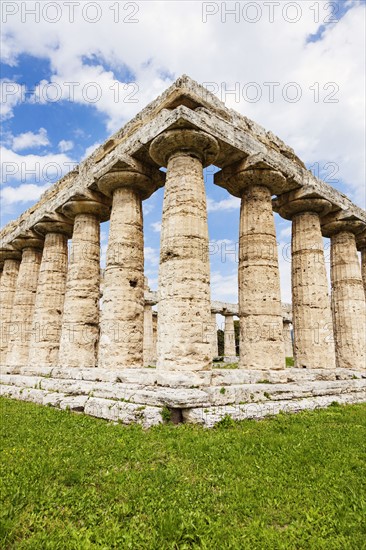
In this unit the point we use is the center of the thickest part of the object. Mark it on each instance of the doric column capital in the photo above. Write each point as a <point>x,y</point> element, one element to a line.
<point>296,202</point>
<point>54,223</point>
<point>28,239</point>
<point>91,203</point>
<point>130,173</point>
<point>253,170</point>
<point>184,141</point>
<point>341,221</point>
<point>7,252</point>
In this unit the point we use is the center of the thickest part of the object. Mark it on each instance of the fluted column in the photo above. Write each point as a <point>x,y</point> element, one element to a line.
<point>148,336</point>
<point>312,317</point>
<point>260,311</point>
<point>184,272</point>
<point>287,337</point>
<point>348,301</point>
<point>48,307</point>
<point>80,321</point>
<point>11,259</point>
<point>122,317</point>
<point>24,300</point>
<point>229,337</point>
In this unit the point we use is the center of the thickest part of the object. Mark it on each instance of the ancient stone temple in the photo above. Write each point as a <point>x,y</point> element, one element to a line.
<point>74,336</point>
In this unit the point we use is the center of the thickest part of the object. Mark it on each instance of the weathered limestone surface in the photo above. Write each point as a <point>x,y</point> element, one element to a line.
<point>133,391</point>
<point>261,326</point>
<point>255,166</point>
<point>313,327</point>
<point>80,323</point>
<point>229,337</point>
<point>184,274</point>
<point>208,417</point>
<point>122,320</point>
<point>7,291</point>
<point>348,302</point>
<point>185,101</point>
<point>23,307</point>
<point>48,307</point>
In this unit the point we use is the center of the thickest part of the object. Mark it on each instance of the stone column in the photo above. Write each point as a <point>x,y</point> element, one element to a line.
<point>215,351</point>
<point>361,246</point>
<point>122,318</point>
<point>348,301</point>
<point>11,259</point>
<point>229,337</point>
<point>48,308</point>
<point>148,336</point>
<point>184,273</point>
<point>24,299</point>
<point>80,322</point>
<point>260,312</point>
<point>312,318</point>
<point>287,337</point>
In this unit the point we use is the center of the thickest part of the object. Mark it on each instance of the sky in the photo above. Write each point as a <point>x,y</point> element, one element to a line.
<point>74,72</point>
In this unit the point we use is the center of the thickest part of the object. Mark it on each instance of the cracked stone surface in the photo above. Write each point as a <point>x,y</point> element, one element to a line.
<point>122,317</point>
<point>261,326</point>
<point>23,307</point>
<point>48,307</point>
<point>7,292</point>
<point>348,302</point>
<point>80,323</point>
<point>184,275</point>
<point>312,318</point>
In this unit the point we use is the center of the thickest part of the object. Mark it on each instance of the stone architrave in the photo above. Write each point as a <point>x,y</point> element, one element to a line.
<point>184,320</point>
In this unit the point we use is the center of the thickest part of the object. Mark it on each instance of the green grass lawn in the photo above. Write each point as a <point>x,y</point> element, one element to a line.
<point>73,482</point>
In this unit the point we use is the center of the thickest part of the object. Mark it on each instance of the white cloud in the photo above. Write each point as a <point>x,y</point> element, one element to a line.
<point>64,146</point>
<point>231,203</point>
<point>26,192</point>
<point>156,227</point>
<point>39,169</point>
<point>319,131</point>
<point>30,140</point>
<point>151,256</point>
<point>11,94</point>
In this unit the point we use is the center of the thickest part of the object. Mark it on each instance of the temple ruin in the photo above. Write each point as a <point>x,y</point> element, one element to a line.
<point>60,348</point>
